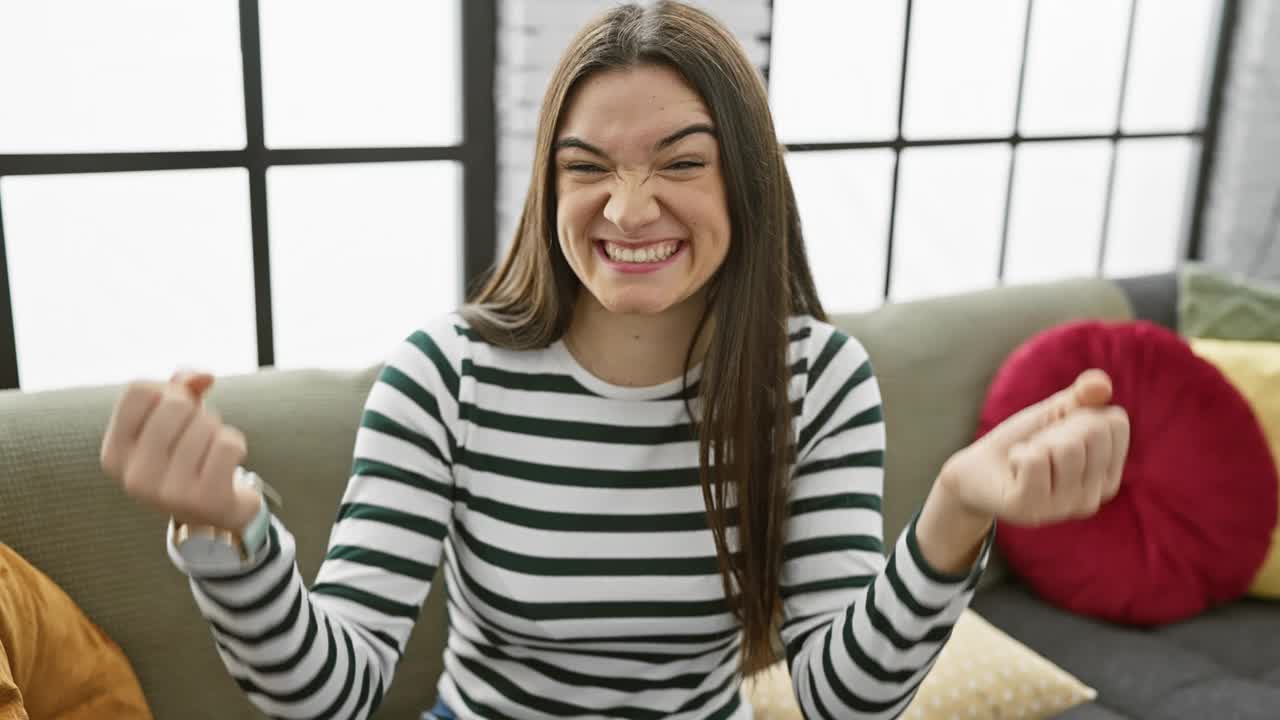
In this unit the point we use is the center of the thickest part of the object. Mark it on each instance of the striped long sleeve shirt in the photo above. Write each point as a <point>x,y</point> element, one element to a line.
<point>566,516</point>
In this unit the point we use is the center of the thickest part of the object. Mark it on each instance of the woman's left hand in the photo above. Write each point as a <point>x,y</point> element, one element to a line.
<point>1057,460</point>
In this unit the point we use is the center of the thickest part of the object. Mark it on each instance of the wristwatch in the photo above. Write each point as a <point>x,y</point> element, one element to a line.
<point>207,549</point>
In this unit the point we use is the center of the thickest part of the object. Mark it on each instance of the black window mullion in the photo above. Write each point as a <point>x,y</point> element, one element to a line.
<point>206,159</point>
<point>332,156</point>
<point>65,163</point>
<point>1013,144</point>
<point>8,344</point>
<point>480,185</point>
<point>256,152</point>
<point>990,140</point>
<point>897,155</point>
<point>1209,142</point>
<point>1115,140</point>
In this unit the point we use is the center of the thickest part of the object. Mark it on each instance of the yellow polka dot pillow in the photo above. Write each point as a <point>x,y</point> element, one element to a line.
<point>981,674</point>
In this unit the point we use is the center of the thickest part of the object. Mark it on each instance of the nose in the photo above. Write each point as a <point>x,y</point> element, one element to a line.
<point>632,206</point>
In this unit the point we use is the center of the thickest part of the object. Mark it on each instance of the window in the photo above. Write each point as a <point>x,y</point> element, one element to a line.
<point>236,183</point>
<point>937,147</point>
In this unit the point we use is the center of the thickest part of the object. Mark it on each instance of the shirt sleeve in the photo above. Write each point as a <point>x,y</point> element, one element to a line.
<point>331,650</point>
<point>861,630</point>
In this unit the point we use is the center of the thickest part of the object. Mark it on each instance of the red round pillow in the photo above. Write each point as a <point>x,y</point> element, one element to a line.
<point>1193,520</point>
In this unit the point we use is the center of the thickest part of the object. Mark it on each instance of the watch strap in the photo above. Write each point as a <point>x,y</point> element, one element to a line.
<point>254,536</point>
<point>238,549</point>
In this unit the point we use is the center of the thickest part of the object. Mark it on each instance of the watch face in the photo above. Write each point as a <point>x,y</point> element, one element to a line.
<point>209,555</point>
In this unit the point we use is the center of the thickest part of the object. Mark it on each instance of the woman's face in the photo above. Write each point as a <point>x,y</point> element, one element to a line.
<point>641,213</point>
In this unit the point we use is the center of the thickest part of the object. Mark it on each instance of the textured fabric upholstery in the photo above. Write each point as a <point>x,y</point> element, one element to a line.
<point>1226,306</point>
<point>1154,298</point>
<point>1222,664</point>
<point>54,662</point>
<point>1092,711</point>
<point>59,511</point>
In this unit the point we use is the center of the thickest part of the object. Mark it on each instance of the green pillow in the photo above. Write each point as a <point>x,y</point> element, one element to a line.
<point>1225,306</point>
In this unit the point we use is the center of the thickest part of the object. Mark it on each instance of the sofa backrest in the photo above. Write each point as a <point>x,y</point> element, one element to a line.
<point>933,360</point>
<point>60,512</point>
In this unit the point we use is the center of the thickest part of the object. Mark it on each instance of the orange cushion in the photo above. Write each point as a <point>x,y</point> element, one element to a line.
<point>10,698</point>
<point>54,662</point>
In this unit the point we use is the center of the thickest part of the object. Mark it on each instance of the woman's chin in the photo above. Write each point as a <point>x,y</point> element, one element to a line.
<point>637,307</point>
<point>636,303</point>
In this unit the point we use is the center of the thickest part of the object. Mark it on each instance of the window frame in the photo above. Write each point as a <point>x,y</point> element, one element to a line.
<point>476,153</point>
<point>1206,135</point>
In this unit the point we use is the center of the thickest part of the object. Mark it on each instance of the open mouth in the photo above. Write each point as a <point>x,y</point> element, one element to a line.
<point>649,254</point>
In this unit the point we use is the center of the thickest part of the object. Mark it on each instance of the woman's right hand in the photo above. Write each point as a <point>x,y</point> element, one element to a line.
<point>173,454</point>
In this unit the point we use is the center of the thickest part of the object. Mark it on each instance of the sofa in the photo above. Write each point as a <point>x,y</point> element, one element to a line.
<point>934,359</point>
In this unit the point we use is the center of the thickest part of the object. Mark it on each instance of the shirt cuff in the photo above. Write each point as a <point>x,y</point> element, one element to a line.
<point>968,579</point>
<point>221,570</point>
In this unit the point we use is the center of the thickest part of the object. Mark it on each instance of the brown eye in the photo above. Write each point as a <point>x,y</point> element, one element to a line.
<point>686,165</point>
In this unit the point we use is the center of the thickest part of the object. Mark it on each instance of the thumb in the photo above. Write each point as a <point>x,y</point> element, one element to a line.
<point>196,382</point>
<point>1092,388</point>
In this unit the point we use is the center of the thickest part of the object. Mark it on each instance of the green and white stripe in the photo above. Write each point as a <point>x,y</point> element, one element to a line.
<point>567,518</point>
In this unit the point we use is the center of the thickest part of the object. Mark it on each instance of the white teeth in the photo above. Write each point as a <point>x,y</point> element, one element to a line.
<point>652,253</point>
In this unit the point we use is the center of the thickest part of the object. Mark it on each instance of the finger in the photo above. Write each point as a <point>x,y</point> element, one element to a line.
<point>227,452</point>
<point>150,456</point>
<point>191,449</point>
<point>1097,451</point>
<point>1067,455</point>
<point>1032,470</point>
<point>1118,424</point>
<point>1080,447</point>
<point>135,404</point>
<point>1091,388</point>
<point>196,382</point>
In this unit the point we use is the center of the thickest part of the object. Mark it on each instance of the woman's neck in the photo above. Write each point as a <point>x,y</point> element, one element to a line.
<point>635,350</point>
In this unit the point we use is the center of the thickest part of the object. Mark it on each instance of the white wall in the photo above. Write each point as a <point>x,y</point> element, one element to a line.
<point>1242,231</point>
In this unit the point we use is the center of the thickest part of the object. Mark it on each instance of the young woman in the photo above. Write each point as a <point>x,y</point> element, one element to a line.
<point>638,455</point>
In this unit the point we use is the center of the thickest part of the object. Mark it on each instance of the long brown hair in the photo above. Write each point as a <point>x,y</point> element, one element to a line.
<point>746,422</point>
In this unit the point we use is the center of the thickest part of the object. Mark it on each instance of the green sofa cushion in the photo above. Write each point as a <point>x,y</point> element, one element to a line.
<point>1225,306</point>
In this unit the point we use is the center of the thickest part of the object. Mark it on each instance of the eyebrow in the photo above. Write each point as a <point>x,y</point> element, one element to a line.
<point>675,137</point>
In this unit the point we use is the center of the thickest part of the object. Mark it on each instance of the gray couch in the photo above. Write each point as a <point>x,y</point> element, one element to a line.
<point>1224,664</point>
<point>934,360</point>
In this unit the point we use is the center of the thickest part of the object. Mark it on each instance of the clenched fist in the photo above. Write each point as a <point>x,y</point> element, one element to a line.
<point>171,453</point>
<point>1059,459</point>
